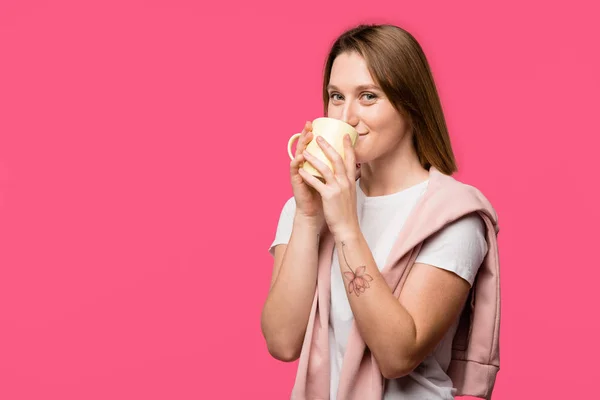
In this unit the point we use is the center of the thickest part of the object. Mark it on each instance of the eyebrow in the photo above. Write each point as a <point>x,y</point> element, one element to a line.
<point>358,88</point>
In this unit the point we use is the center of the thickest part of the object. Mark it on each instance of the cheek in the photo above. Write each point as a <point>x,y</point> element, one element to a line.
<point>390,122</point>
<point>378,120</point>
<point>389,116</point>
<point>334,111</point>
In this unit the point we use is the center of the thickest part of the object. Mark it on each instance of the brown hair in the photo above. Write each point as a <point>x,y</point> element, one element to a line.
<point>397,63</point>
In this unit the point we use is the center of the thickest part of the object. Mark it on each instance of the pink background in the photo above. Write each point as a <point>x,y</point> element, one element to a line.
<point>143,169</point>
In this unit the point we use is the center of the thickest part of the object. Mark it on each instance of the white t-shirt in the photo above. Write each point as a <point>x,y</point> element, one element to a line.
<point>460,247</point>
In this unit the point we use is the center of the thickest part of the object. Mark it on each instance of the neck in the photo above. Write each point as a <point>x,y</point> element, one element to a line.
<point>392,173</point>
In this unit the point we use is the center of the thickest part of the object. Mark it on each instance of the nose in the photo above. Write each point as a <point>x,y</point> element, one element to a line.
<point>349,114</point>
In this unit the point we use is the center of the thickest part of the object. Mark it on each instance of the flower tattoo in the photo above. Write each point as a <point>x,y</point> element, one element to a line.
<point>359,281</point>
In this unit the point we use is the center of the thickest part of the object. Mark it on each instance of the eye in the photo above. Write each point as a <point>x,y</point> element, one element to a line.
<point>369,97</point>
<point>336,97</point>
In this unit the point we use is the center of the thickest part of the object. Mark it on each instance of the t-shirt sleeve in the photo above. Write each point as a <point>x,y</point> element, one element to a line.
<point>285,224</point>
<point>459,247</point>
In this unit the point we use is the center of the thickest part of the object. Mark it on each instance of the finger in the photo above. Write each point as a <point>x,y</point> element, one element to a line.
<point>297,162</point>
<point>308,126</point>
<point>305,138</point>
<point>333,156</point>
<point>350,158</point>
<point>320,166</point>
<point>308,136</point>
<point>313,181</point>
<point>300,144</point>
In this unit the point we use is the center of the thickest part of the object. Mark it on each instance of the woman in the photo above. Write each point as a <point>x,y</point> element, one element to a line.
<point>376,79</point>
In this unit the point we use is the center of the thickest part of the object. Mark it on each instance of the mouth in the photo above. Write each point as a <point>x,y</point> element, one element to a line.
<point>362,134</point>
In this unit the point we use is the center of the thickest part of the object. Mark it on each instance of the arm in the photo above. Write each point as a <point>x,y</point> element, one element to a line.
<point>399,332</point>
<point>287,308</point>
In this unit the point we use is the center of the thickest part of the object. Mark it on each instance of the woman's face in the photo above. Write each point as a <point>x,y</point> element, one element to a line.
<point>355,98</point>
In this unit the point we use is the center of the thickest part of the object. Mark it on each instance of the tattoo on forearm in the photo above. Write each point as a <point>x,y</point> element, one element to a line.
<point>358,280</point>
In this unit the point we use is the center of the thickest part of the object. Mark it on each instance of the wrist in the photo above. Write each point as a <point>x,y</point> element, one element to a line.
<point>312,223</point>
<point>347,233</point>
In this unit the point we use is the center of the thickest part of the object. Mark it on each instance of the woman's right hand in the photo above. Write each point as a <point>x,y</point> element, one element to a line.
<point>308,200</point>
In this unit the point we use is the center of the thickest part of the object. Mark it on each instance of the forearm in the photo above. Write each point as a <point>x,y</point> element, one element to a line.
<point>287,308</point>
<point>384,324</point>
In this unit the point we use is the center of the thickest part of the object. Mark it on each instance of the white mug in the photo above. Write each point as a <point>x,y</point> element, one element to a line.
<point>333,131</point>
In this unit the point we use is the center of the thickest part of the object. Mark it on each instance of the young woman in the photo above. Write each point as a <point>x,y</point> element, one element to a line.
<point>376,79</point>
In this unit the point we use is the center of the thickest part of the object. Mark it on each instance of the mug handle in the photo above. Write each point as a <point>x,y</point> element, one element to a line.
<point>291,142</point>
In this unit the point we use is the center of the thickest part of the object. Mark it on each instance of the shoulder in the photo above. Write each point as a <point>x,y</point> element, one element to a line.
<point>290,206</point>
<point>465,227</point>
<point>284,225</point>
<point>445,190</point>
<point>459,247</point>
<point>287,209</point>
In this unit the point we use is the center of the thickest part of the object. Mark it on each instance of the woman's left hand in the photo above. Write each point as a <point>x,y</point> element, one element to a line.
<point>338,192</point>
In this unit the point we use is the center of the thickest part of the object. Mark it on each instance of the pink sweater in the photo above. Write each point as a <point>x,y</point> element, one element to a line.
<point>475,354</point>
